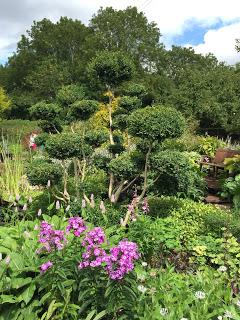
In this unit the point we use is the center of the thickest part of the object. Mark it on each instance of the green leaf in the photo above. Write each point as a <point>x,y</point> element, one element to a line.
<point>27,294</point>
<point>17,262</point>
<point>8,298</point>
<point>91,314</point>
<point>20,282</point>
<point>100,315</point>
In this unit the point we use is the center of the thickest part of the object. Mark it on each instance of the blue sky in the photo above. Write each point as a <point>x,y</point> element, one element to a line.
<point>207,26</point>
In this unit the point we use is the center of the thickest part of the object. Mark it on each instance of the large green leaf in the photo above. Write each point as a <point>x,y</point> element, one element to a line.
<point>17,262</point>
<point>28,293</point>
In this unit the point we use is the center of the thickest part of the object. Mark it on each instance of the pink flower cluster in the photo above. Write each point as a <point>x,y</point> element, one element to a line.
<point>77,225</point>
<point>94,255</point>
<point>121,259</point>
<point>50,238</point>
<point>117,263</point>
<point>94,238</point>
<point>45,266</point>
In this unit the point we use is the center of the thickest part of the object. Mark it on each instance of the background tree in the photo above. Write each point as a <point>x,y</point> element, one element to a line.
<point>4,102</point>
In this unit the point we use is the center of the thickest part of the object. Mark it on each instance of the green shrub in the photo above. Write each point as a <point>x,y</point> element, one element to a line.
<point>40,171</point>
<point>66,146</point>
<point>156,123</point>
<point>129,103</point>
<point>161,207</point>
<point>124,166</point>
<point>96,182</point>
<point>45,111</point>
<point>83,110</point>
<point>134,90</point>
<point>96,137</point>
<point>177,175</point>
<point>69,94</point>
<point>209,145</point>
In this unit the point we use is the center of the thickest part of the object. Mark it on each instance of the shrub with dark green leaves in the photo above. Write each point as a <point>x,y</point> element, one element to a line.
<point>69,94</point>
<point>45,111</point>
<point>124,166</point>
<point>83,110</point>
<point>111,68</point>
<point>177,175</point>
<point>156,123</point>
<point>40,171</point>
<point>96,137</point>
<point>161,207</point>
<point>66,146</point>
<point>129,103</point>
<point>134,90</point>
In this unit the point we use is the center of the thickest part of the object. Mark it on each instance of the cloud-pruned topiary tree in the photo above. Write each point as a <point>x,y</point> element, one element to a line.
<point>154,125</point>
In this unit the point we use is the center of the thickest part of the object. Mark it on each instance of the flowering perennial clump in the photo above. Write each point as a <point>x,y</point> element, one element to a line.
<point>118,262</point>
<point>121,259</point>
<point>77,225</point>
<point>50,238</point>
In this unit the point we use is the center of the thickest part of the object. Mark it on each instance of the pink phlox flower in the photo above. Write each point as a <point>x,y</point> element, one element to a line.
<point>45,266</point>
<point>50,238</point>
<point>76,224</point>
<point>121,259</point>
<point>94,237</point>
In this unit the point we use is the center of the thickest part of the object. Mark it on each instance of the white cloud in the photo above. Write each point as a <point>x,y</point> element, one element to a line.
<point>221,43</point>
<point>172,16</point>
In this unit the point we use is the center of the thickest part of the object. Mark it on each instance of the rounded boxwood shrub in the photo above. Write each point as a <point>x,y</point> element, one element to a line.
<point>66,146</point>
<point>95,137</point>
<point>45,111</point>
<point>111,68</point>
<point>40,171</point>
<point>69,94</point>
<point>156,123</point>
<point>134,90</point>
<point>161,207</point>
<point>129,103</point>
<point>124,166</point>
<point>177,175</point>
<point>83,110</point>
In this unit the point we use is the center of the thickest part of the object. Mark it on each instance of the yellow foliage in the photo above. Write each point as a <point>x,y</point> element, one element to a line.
<point>4,101</point>
<point>101,118</point>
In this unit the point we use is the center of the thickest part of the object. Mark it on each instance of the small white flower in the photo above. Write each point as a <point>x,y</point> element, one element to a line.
<point>58,206</point>
<point>48,184</point>
<point>200,295</point>
<point>24,207</point>
<point>36,227</point>
<point>27,234</point>
<point>237,303</point>
<point>222,269</point>
<point>30,199</point>
<point>220,318</point>
<point>18,197</point>
<point>142,289</point>
<point>0,256</point>
<point>144,264</point>
<point>83,203</point>
<point>7,260</point>
<point>39,212</point>
<point>141,277</point>
<point>163,311</point>
<point>102,207</point>
<point>67,208</point>
<point>228,314</point>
